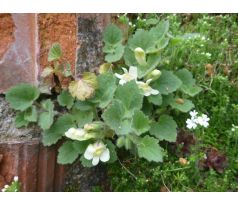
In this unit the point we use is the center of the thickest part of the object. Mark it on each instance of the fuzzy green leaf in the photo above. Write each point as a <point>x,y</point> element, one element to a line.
<point>20,121</point>
<point>184,106</point>
<point>106,89</point>
<point>142,39</point>
<point>149,149</point>
<point>160,30</point>
<point>82,117</point>
<point>114,117</point>
<point>112,34</point>
<point>165,129</point>
<point>55,52</point>
<point>85,162</point>
<point>116,54</point>
<point>155,99</point>
<point>57,130</point>
<point>112,150</point>
<point>167,83</point>
<point>65,99</point>
<point>46,118</point>
<point>140,122</point>
<point>70,151</point>
<point>131,97</point>
<point>22,96</point>
<point>31,114</point>
<point>188,87</point>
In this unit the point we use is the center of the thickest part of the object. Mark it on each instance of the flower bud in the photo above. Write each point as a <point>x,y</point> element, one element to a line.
<point>140,56</point>
<point>93,126</point>
<point>154,75</point>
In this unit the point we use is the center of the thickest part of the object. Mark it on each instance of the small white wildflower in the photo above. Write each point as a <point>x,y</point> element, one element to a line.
<point>75,134</point>
<point>146,88</point>
<point>233,129</point>
<point>191,124</point>
<point>208,55</point>
<point>127,76</point>
<point>203,120</point>
<point>3,190</point>
<point>6,186</point>
<point>193,114</point>
<point>16,178</point>
<point>96,152</point>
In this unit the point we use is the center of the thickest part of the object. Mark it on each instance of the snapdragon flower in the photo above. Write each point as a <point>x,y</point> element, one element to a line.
<point>127,76</point>
<point>146,88</point>
<point>96,152</point>
<point>75,134</point>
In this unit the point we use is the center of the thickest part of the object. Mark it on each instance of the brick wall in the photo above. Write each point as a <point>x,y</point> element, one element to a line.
<point>26,38</point>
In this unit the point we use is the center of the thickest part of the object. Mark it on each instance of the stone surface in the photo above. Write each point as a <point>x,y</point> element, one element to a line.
<point>18,62</point>
<point>59,28</point>
<point>89,40</point>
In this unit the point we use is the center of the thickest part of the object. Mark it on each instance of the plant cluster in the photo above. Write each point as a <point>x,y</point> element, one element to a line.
<point>97,114</point>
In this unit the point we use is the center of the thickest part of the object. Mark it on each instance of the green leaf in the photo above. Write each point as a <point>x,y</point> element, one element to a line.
<point>85,162</point>
<point>142,39</point>
<point>112,150</point>
<point>131,97</point>
<point>140,122</point>
<point>82,117</point>
<point>65,99</point>
<point>55,52</point>
<point>57,130</point>
<point>112,34</point>
<point>70,151</point>
<point>46,118</point>
<point>183,105</point>
<point>116,54</point>
<point>114,117</point>
<point>167,83</point>
<point>155,99</point>
<point>160,30</point>
<point>149,149</point>
<point>83,105</point>
<point>22,96</point>
<point>20,121</point>
<point>165,129</point>
<point>188,87</point>
<point>31,114</point>
<point>106,89</point>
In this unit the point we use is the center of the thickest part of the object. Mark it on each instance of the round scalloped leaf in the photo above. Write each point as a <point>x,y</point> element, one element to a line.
<point>167,83</point>
<point>112,34</point>
<point>149,149</point>
<point>164,129</point>
<point>22,96</point>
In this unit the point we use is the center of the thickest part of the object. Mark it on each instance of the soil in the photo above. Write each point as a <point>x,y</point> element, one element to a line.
<point>59,28</point>
<point>7,28</point>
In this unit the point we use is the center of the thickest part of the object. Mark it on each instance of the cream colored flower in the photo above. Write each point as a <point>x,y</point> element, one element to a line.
<point>76,134</point>
<point>96,152</point>
<point>146,88</point>
<point>127,76</point>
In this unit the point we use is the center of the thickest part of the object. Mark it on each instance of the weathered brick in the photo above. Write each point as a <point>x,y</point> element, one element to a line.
<point>18,56</point>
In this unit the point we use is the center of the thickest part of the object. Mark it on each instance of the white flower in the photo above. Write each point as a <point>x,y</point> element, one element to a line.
<point>6,186</point>
<point>16,178</point>
<point>146,88</point>
<point>97,151</point>
<point>127,76</point>
<point>203,120</point>
<point>75,134</point>
<point>193,114</point>
<point>191,124</point>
